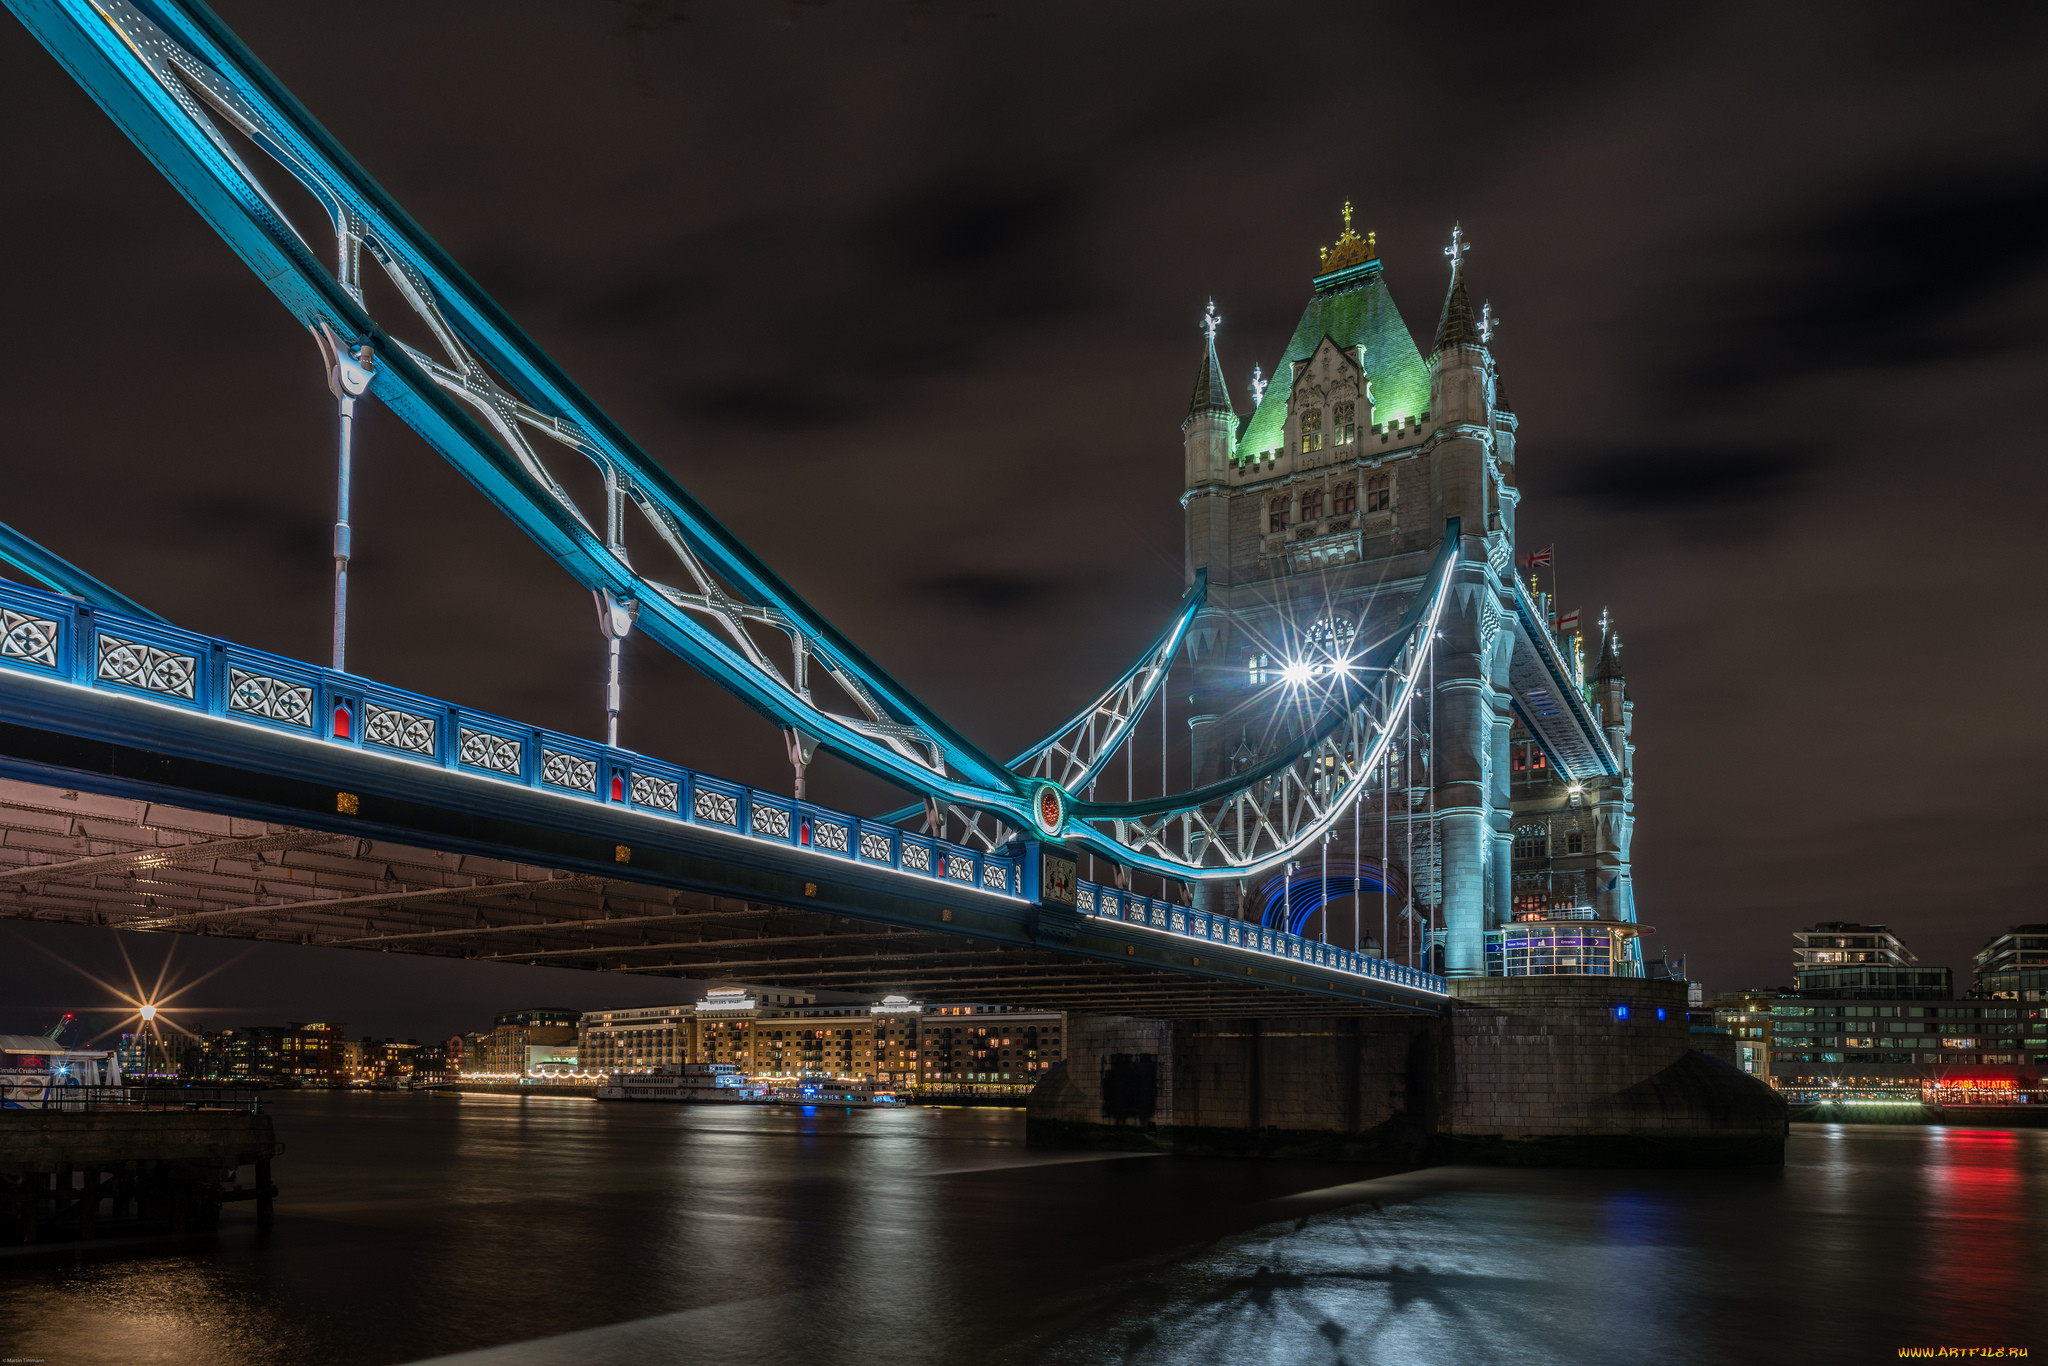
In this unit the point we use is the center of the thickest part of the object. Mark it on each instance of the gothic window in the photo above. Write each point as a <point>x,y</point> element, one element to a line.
<point>1276,515</point>
<point>1311,430</point>
<point>1330,637</point>
<point>1311,504</point>
<point>1575,842</point>
<point>1531,842</point>
<point>1346,422</point>
<point>1344,498</point>
<point>1377,497</point>
<point>1518,758</point>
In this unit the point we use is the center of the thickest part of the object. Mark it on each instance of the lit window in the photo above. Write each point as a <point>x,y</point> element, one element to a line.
<point>1377,496</point>
<point>1346,423</point>
<point>1311,430</point>
<point>1344,498</point>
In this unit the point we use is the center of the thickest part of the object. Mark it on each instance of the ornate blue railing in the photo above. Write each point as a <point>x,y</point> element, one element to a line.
<point>1110,904</point>
<point>59,637</point>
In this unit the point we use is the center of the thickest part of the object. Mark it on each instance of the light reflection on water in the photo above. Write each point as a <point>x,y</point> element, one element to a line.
<point>526,1231</point>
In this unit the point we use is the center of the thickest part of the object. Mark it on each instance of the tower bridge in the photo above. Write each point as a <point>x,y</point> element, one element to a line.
<point>1386,722</point>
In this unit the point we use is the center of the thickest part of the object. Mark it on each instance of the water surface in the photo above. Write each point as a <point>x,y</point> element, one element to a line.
<point>510,1231</point>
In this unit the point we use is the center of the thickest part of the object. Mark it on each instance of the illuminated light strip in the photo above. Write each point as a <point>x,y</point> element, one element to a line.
<point>331,688</point>
<point>1389,973</point>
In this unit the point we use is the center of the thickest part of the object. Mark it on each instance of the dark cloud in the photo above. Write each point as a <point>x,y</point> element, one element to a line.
<point>990,594</point>
<point>1930,264</point>
<point>779,408</point>
<point>1687,479</point>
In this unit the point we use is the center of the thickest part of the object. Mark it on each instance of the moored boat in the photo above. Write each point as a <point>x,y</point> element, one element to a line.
<point>842,1091</point>
<point>691,1083</point>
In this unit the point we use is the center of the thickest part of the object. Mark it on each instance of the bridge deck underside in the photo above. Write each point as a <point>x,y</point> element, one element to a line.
<point>86,859</point>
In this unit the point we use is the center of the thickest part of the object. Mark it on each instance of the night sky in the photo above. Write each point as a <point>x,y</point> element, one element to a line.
<point>906,293</point>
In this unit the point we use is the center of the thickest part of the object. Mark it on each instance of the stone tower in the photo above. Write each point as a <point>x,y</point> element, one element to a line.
<point>1316,518</point>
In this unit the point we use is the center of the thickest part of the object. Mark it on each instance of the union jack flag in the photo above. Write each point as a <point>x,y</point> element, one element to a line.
<point>1538,557</point>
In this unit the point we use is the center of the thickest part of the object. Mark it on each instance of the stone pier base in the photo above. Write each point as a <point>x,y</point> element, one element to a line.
<point>1554,1070</point>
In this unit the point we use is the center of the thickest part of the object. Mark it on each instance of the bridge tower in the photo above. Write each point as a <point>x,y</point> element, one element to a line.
<point>1316,518</point>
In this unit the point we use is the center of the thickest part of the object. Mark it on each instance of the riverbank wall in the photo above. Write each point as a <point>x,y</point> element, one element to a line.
<point>1522,1071</point>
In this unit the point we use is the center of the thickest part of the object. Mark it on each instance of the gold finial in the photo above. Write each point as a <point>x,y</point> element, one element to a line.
<point>1350,248</point>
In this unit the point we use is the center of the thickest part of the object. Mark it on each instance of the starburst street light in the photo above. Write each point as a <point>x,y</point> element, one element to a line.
<point>148,1006</point>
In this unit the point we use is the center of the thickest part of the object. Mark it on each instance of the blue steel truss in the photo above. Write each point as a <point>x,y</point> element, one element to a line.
<point>272,706</point>
<point>52,571</point>
<point>183,87</point>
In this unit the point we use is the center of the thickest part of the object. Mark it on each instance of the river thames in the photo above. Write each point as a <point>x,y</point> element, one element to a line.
<point>507,1231</point>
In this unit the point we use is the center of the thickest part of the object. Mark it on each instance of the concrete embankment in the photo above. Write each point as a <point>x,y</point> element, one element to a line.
<point>1525,1071</point>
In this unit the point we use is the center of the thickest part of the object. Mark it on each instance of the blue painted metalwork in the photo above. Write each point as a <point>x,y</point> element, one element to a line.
<point>60,575</point>
<point>1294,899</point>
<point>1108,903</point>
<point>58,638</point>
<point>1075,751</point>
<point>1545,696</point>
<point>64,641</point>
<point>170,74</point>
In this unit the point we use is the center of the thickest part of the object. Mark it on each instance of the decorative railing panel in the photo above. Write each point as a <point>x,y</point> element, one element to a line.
<point>1108,904</point>
<point>157,664</point>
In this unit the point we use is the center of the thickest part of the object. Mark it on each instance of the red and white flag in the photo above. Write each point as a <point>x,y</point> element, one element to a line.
<point>1568,624</point>
<point>1538,557</point>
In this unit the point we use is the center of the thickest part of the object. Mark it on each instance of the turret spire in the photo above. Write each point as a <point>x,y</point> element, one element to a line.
<point>1610,650</point>
<point>1458,326</point>
<point>1212,393</point>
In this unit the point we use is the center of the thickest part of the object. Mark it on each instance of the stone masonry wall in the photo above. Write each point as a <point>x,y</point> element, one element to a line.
<point>1115,1086</point>
<point>1339,1085</point>
<point>1548,1065</point>
<point>1520,1070</point>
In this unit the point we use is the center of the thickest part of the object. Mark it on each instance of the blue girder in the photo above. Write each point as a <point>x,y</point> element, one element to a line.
<point>164,70</point>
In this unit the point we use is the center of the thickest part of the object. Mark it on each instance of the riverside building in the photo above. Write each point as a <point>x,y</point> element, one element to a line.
<point>1864,962</point>
<point>959,1053</point>
<point>504,1049</point>
<point>1747,1016</point>
<point>1867,1022</point>
<point>976,1052</point>
<point>2014,967</point>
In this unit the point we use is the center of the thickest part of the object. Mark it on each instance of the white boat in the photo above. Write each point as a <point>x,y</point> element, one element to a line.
<point>843,1091</point>
<point>691,1083</point>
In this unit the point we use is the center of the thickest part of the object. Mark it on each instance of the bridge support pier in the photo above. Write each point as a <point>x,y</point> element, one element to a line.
<point>1541,1071</point>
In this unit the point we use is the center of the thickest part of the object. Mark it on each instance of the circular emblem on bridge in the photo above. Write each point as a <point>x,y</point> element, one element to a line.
<point>1049,809</point>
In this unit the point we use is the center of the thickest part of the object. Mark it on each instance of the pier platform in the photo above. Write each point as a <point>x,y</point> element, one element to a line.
<point>109,1162</point>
